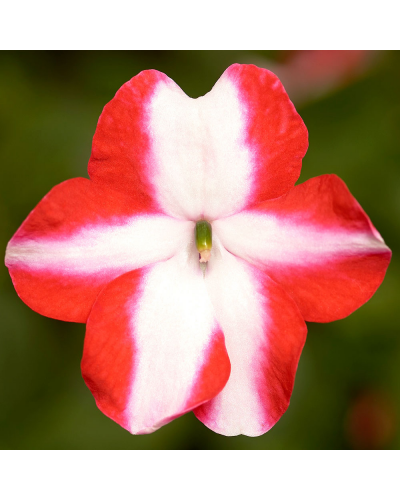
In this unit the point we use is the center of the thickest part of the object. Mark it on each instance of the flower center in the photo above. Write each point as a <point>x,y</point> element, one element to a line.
<point>203,237</point>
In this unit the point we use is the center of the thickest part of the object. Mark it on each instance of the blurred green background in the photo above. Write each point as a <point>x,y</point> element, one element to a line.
<point>347,390</point>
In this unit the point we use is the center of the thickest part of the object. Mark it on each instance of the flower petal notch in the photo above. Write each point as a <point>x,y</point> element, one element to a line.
<point>192,256</point>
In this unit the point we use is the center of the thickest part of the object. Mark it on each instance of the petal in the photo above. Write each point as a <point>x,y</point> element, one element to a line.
<point>317,242</point>
<point>264,336</point>
<point>121,148</point>
<point>275,134</point>
<point>153,350</point>
<point>200,158</point>
<point>79,238</point>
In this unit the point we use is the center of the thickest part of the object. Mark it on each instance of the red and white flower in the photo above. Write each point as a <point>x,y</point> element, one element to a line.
<point>118,252</point>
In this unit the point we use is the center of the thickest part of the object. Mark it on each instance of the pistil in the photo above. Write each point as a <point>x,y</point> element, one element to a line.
<point>203,237</point>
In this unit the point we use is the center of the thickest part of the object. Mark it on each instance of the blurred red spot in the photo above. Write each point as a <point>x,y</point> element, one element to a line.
<point>371,421</point>
<point>310,74</point>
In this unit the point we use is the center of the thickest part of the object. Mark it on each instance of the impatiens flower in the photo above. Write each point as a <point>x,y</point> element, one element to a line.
<point>191,255</point>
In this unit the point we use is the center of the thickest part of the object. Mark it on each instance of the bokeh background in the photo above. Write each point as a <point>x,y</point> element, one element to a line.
<point>347,390</point>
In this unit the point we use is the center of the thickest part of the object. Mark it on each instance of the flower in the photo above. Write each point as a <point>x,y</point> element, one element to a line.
<point>310,74</point>
<point>166,333</point>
